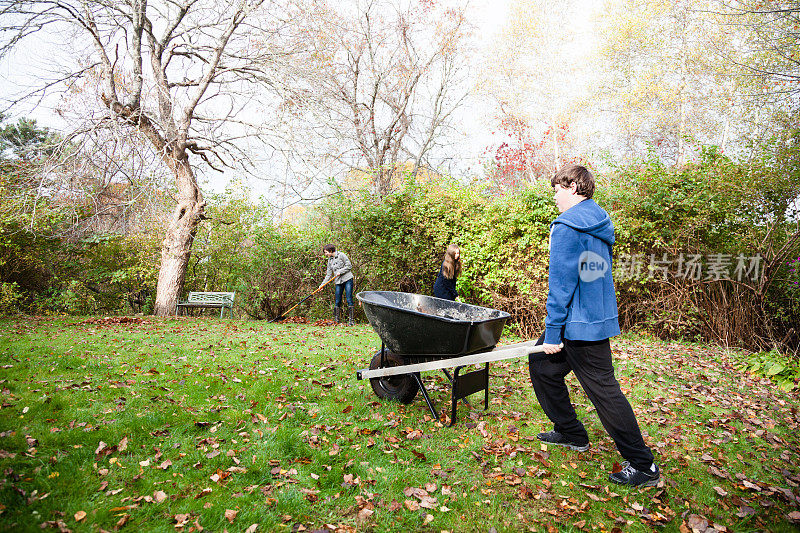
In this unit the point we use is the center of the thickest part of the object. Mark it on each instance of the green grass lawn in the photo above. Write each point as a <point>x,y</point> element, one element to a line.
<point>194,423</point>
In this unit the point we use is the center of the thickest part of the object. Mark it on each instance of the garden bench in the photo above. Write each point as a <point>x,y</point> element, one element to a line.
<point>208,300</point>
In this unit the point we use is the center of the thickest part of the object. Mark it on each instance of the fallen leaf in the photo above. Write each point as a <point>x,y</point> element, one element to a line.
<point>411,505</point>
<point>80,515</point>
<point>722,492</point>
<point>414,492</point>
<point>525,493</point>
<point>251,529</point>
<point>160,496</point>
<point>745,511</point>
<point>751,486</point>
<point>230,514</point>
<point>717,472</point>
<point>123,508</point>
<point>428,503</point>
<point>416,434</point>
<point>100,447</point>
<point>144,463</point>
<point>123,444</point>
<point>428,519</point>
<point>364,514</point>
<point>166,464</point>
<point>419,455</point>
<point>347,409</point>
<point>696,523</point>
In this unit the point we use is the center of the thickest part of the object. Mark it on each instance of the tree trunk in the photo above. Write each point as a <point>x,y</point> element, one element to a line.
<point>177,244</point>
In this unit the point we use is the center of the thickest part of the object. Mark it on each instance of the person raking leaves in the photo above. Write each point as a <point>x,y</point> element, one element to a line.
<point>339,266</point>
<point>582,313</point>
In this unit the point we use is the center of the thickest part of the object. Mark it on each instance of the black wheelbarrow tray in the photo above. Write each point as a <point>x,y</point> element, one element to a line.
<point>421,333</point>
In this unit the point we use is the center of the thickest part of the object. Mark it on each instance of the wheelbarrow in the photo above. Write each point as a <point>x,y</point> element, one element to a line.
<point>421,333</point>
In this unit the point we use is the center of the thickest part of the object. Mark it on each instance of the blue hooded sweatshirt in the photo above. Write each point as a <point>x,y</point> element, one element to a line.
<point>581,303</point>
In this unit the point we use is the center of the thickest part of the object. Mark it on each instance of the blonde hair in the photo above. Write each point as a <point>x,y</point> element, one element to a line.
<point>451,267</point>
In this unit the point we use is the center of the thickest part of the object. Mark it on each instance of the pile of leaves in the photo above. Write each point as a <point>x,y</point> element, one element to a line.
<point>112,321</point>
<point>294,320</point>
<point>324,322</point>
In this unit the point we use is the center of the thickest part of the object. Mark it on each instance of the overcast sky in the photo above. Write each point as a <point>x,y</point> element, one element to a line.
<point>474,121</point>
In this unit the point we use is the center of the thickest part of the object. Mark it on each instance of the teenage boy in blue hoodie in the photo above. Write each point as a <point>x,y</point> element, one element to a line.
<point>582,314</point>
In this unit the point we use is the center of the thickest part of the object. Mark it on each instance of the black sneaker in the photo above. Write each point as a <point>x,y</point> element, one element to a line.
<point>635,478</point>
<point>554,437</point>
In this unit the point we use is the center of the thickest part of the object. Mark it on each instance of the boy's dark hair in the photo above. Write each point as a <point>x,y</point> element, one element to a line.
<point>329,248</point>
<point>578,174</point>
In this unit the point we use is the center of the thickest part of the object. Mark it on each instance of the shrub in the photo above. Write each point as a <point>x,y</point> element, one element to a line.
<point>718,210</point>
<point>775,366</point>
<point>9,297</point>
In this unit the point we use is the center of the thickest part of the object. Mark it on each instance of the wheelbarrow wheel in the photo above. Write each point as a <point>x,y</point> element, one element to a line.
<point>399,388</point>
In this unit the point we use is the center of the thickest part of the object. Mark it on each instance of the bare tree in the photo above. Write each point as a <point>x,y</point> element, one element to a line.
<point>381,82</point>
<point>175,73</point>
<point>770,40</point>
<point>532,76</point>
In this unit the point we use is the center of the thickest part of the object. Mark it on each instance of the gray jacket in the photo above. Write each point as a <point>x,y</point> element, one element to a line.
<point>339,266</point>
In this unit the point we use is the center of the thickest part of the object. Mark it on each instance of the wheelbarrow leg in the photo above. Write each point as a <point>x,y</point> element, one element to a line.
<point>469,383</point>
<point>425,395</point>
<point>450,379</point>
<point>486,390</point>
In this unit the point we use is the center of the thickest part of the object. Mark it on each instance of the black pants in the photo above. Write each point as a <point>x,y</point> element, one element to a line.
<point>592,365</point>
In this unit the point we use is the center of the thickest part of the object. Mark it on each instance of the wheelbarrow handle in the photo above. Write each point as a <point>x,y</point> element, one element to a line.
<point>501,353</point>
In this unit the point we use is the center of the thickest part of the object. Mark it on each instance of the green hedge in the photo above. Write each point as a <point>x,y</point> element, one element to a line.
<point>711,207</point>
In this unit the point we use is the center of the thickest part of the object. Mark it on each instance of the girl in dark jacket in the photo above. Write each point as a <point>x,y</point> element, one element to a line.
<point>445,284</point>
